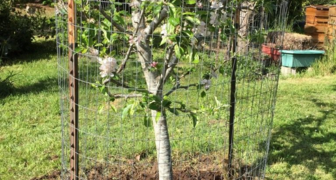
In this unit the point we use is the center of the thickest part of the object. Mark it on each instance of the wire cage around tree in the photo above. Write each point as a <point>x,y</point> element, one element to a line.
<point>166,89</point>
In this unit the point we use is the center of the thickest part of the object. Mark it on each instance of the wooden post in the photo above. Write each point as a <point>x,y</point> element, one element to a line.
<point>73,90</point>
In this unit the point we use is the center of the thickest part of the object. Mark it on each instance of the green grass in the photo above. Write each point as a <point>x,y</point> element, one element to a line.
<point>29,114</point>
<point>303,145</point>
<point>30,141</point>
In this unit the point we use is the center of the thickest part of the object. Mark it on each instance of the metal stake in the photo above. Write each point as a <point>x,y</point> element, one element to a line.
<point>73,89</point>
<point>233,89</point>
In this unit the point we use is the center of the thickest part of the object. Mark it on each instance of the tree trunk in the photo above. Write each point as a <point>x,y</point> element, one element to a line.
<point>162,146</point>
<point>244,27</point>
<point>154,81</point>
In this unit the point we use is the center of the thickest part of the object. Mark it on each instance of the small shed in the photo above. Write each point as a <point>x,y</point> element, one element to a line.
<point>317,17</point>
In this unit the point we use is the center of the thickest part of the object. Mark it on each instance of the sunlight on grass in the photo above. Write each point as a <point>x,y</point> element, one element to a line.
<point>303,144</point>
<point>30,123</point>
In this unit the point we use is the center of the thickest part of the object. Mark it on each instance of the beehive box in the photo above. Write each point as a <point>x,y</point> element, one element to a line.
<point>317,15</point>
<point>317,22</point>
<point>332,23</point>
<point>299,58</point>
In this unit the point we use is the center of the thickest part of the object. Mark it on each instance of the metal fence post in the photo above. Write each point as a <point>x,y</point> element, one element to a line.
<point>73,89</point>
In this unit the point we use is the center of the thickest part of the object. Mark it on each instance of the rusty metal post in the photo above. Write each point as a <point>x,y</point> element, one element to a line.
<point>73,87</point>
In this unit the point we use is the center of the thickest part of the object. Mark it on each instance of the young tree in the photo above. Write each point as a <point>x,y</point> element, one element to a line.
<point>184,27</point>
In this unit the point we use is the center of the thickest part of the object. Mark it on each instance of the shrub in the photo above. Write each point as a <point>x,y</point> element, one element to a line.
<point>17,29</point>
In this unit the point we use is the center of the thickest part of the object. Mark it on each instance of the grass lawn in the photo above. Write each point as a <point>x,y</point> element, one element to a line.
<point>30,139</point>
<point>303,145</point>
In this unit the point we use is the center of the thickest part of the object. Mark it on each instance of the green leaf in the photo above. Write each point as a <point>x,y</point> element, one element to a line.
<point>193,20</point>
<point>172,9</point>
<point>163,41</point>
<point>154,106</point>
<point>196,59</point>
<point>126,111</point>
<point>104,90</point>
<point>166,103</point>
<point>114,108</point>
<point>189,13</point>
<point>178,51</point>
<point>94,85</point>
<point>191,2</point>
<point>174,21</point>
<point>84,50</point>
<point>203,94</point>
<point>147,121</point>
<point>134,108</point>
<point>79,49</point>
<point>174,111</point>
<point>99,44</point>
<point>221,70</point>
<point>157,9</point>
<point>194,119</point>
<point>117,3</point>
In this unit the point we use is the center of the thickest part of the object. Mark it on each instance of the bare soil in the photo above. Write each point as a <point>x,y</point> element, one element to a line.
<point>207,167</point>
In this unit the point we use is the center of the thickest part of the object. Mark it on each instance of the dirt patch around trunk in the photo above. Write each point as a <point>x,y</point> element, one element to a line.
<point>201,168</point>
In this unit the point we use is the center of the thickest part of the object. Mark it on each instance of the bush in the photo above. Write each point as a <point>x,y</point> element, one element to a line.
<point>17,29</point>
<point>16,33</point>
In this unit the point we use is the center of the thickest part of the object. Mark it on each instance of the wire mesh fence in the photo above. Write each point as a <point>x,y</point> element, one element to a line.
<point>167,89</point>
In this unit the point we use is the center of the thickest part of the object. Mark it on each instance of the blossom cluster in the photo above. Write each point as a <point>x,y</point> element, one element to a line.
<point>218,15</point>
<point>108,66</point>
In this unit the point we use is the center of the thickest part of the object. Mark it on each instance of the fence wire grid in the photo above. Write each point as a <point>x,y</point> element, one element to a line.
<point>212,86</point>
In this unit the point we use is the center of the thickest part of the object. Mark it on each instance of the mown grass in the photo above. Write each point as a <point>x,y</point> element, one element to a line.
<point>29,114</point>
<point>303,145</point>
<point>30,143</point>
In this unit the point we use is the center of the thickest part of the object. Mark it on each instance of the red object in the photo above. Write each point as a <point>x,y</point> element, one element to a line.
<point>274,53</point>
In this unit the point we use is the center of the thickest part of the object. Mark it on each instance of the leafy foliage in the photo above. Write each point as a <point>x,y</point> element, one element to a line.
<point>17,29</point>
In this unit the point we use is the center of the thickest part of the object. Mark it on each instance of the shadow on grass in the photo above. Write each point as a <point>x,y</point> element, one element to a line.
<point>304,141</point>
<point>7,88</point>
<point>38,50</point>
<point>334,87</point>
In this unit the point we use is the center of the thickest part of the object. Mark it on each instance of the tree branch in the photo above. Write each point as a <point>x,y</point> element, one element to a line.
<point>122,84</point>
<point>125,95</point>
<point>153,25</point>
<point>123,64</point>
<point>172,64</point>
<point>120,28</point>
<point>178,86</point>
